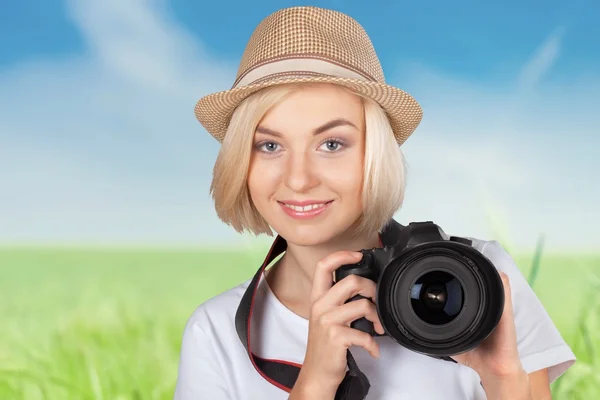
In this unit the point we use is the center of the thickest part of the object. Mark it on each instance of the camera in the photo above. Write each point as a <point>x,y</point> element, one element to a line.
<point>436,294</point>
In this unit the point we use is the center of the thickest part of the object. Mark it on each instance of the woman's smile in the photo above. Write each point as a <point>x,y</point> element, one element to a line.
<point>304,209</point>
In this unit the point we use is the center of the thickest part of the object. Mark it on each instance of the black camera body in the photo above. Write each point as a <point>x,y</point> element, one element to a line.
<point>436,296</point>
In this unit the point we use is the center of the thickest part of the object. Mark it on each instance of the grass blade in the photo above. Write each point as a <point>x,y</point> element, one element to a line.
<point>536,263</point>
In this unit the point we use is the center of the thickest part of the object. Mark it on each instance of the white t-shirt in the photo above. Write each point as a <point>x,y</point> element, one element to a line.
<point>214,364</point>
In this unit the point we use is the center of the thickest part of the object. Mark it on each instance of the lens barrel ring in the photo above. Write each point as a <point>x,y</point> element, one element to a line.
<point>478,280</point>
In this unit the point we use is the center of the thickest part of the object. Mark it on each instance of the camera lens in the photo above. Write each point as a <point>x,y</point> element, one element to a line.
<point>437,297</point>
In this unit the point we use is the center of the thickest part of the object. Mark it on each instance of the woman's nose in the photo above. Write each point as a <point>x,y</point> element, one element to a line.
<point>300,174</point>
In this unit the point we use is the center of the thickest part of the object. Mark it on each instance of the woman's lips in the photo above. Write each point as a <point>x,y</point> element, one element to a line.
<point>305,209</point>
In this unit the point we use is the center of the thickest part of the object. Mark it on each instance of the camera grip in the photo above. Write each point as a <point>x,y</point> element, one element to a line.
<point>362,268</point>
<point>362,324</point>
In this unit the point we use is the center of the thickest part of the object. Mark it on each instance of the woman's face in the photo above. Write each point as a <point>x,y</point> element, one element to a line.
<point>306,169</point>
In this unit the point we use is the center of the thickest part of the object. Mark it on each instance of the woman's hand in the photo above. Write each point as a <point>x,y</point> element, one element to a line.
<point>497,357</point>
<point>330,334</point>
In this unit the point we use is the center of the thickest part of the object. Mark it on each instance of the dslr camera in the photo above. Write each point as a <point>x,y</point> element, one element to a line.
<point>436,295</point>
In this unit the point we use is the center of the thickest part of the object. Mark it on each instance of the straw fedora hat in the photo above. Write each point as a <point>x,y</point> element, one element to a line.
<point>310,44</point>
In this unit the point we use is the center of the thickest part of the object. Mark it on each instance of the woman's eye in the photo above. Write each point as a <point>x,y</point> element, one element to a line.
<point>269,147</point>
<point>332,145</point>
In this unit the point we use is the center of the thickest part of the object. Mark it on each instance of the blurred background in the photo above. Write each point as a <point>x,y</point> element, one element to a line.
<point>108,236</point>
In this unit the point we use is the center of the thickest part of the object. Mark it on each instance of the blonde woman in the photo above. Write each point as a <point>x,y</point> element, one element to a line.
<point>311,149</point>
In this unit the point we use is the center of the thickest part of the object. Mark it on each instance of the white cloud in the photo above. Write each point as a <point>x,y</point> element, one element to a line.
<point>104,147</point>
<point>542,60</point>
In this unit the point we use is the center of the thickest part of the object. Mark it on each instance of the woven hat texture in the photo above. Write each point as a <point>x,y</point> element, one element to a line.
<point>310,44</point>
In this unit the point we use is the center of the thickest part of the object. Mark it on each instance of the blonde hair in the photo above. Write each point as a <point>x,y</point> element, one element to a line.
<point>384,178</point>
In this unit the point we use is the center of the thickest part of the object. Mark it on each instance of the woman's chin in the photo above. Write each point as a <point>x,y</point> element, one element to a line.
<point>307,239</point>
<point>307,234</point>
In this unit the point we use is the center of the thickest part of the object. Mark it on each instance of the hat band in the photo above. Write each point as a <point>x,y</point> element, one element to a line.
<point>316,65</point>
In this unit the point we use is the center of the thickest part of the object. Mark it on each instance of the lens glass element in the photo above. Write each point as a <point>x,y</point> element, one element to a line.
<point>437,297</point>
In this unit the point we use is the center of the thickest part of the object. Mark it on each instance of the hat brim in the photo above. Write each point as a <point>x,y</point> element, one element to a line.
<point>404,112</point>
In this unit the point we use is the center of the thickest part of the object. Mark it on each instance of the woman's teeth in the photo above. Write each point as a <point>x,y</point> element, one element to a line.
<point>305,208</point>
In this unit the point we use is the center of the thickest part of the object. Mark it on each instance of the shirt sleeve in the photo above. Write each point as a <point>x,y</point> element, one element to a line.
<point>539,342</point>
<point>200,375</point>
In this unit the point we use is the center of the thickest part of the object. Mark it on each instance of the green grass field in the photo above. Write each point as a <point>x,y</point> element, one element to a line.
<point>107,324</point>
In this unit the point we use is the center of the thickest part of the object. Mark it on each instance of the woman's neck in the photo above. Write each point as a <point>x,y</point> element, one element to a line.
<point>290,279</point>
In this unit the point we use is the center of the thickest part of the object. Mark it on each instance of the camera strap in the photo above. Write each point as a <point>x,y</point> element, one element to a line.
<point>283,374</point>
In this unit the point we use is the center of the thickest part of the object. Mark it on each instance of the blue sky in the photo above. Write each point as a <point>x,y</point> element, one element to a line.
<point>98,142</point>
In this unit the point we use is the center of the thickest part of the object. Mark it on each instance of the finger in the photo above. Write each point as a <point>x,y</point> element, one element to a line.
<point>349,312</point>
<point>507,292</point>
<point>345,336</point>
<point>349,287</point>
<point>323,279</point>
<point>506,330</point>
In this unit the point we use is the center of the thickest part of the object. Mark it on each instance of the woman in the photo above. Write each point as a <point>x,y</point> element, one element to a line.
<point>310,137</point>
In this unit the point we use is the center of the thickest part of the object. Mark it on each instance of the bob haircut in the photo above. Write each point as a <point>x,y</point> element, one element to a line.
<point>384,179</point>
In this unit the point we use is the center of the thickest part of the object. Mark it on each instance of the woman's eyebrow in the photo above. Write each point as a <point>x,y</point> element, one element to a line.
<point>325,127</point>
